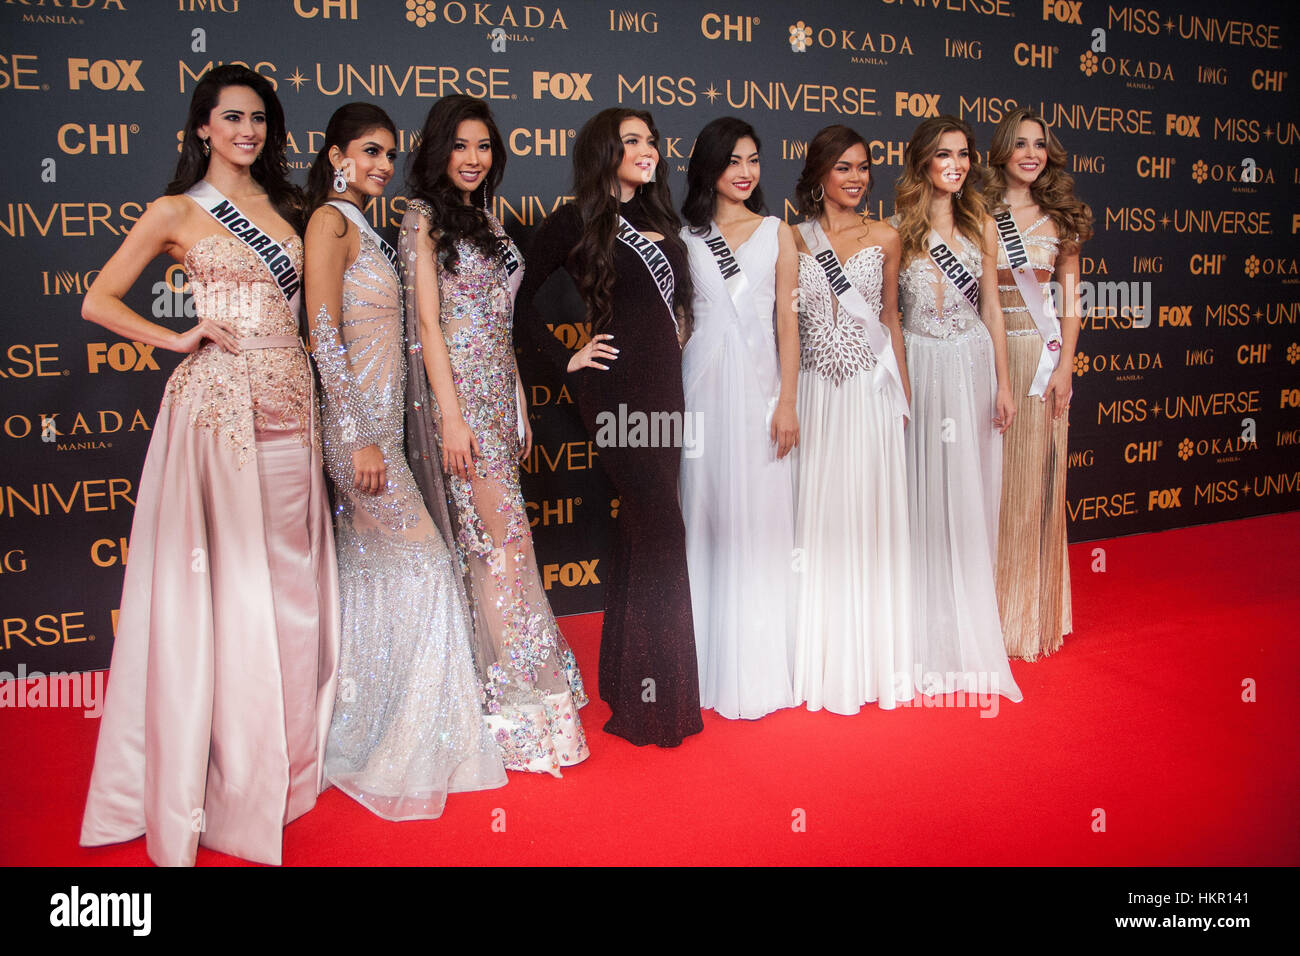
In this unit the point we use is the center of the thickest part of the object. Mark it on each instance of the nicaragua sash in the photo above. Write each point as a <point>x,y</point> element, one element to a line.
<point>955,271</point>
<point>887,377</point>
<point>273,256</point>
<point>733,276</point>
<point>361,222</point>
<point>661,270</point>
<point>1041,308</point>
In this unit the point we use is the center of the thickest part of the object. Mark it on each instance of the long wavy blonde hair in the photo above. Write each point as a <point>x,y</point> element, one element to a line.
<point>1053,190</point>
<point>913,190</point>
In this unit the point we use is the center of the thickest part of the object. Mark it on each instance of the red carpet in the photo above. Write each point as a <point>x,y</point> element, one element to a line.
<point>1140,715</point>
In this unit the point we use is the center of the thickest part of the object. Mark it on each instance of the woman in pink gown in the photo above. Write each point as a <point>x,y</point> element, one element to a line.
<point>223,663</point>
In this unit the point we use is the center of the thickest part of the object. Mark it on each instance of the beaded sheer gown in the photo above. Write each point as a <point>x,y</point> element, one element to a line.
<point>954,456</point>
<point>737,496</point>
<point>408,727</point>
<point>1033,564</point>
<point>222,679</point>
<point>531,681</point>
<point>852,640</point>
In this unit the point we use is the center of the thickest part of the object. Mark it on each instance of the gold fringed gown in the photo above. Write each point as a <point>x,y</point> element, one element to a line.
<point>1033,569</point>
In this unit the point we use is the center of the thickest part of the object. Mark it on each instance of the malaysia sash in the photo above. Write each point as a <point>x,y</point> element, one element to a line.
<point>661,270</point>
<point>962,279</point>
<point>1041,308</point>
<point>887,377</point>
<point>361,222</point>
<point>277,261</point>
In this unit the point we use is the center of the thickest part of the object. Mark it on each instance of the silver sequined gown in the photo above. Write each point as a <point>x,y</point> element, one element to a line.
<point>954,478</point>
<point>408,725</point>
<point>532,685</point>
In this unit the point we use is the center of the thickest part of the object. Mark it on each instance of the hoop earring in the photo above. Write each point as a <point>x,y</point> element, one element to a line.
<point>340,181</point>
<point>818,193</point>
<point>203,144</point>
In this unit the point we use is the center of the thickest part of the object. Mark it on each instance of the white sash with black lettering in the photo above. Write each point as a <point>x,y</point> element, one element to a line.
<point>514,268</point>
<point>955,271</point>
<point>277,261</point>
<point>361,222</point>
<point>852,304</point>
<point>1041,307</point>
<point>733,276</point>
<point>661,270</point>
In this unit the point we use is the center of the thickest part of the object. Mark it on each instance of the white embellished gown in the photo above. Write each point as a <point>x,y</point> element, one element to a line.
<point>954,471</point>
<point>737,497</point>
<point>408,726</point>
<point>852,632</point>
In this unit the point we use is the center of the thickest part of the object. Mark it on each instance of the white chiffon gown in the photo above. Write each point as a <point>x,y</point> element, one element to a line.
<point>853,631</point>
<point>737,498</point>
<point>954,470</point>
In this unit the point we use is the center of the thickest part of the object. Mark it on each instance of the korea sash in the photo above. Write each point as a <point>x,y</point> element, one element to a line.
<point>514,269</point>
<point>955,271</point>
<point>1041,307</point>
<point>361,222</point>
<point>733,276</point>
<point>276,260</point>
<point>661,270</point>
<point>887,377</point>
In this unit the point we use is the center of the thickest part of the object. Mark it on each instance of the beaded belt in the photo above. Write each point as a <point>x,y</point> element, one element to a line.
<point>270,342</point>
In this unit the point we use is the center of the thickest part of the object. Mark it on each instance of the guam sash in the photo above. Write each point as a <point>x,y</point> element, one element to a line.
<point>361,222</point>
<point>273,256</point>
<point>1041,307</point>
<point>962,279</point>
<point>852,304</point>
<point>661,270</point>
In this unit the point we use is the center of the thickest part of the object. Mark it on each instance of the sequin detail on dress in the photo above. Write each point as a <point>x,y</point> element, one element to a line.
<point>531,681</point>
<point>231,285</point>
<point>408,725</point>
<point>836,350</point>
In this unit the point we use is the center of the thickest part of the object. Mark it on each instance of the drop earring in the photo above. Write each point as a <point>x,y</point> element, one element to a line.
<point>340,181</point>
<point>203,144</point>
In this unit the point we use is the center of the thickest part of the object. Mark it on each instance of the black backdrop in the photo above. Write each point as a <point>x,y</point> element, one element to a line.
<point>1180,120</point>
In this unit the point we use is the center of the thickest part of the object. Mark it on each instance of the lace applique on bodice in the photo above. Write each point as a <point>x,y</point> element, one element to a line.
<point>232,286</point>
<point>931,304</point>
<point>833,347</point>
<point>1042,249</point>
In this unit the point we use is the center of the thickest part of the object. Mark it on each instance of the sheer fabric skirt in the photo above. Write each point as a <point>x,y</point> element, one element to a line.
<point>954,459</point>
<point>852,641</point>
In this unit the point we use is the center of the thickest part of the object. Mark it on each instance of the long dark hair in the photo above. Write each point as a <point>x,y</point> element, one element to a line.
<point>348,123</point>
<point>1053,190</point>
<point>270,169</point>
<point>713,150</point>
<point>452,219</point>
<point>913,189</point>
<point>597,154</point>
<point>824,150</point>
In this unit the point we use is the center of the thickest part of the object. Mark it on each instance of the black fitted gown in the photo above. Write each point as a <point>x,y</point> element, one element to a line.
<point>647,630</point>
